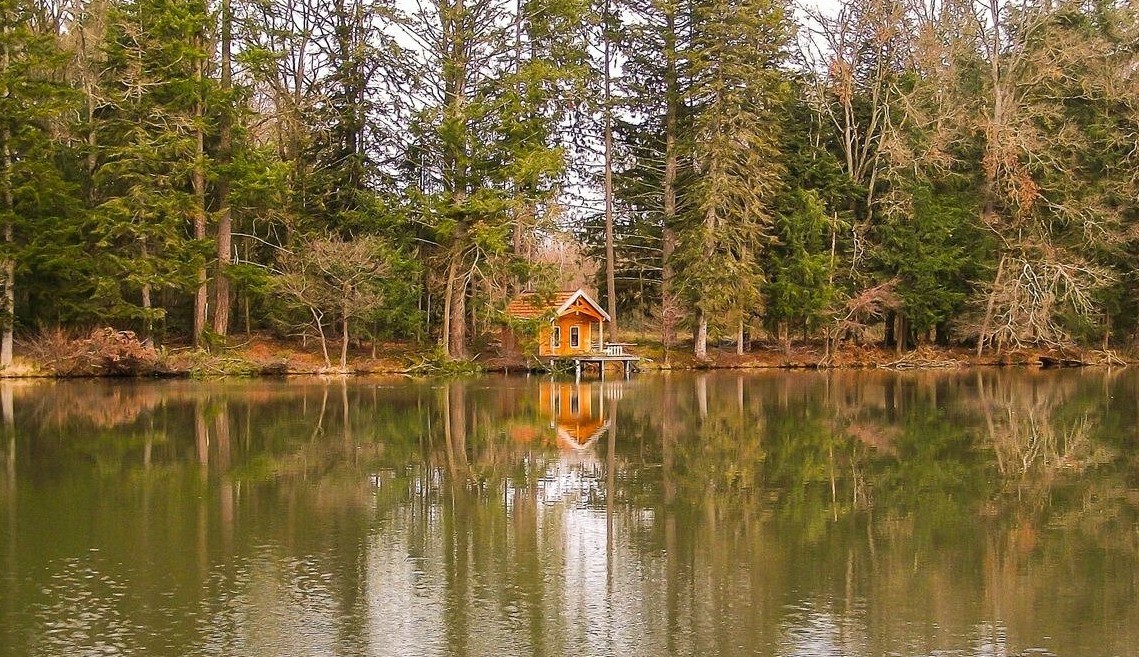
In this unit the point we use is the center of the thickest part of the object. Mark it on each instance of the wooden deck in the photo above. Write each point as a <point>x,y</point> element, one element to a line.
<point>611,353</point>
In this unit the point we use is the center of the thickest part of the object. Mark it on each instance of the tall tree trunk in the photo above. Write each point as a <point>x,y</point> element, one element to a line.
<point>458,327</point>
<point>8,265</point>
<point>88,81</point>
<point>245,298</point>
<point>610,264</point>
<point>524,211</point>
<point>988,319</point>
<point>201,299</point>
<point>994,134</point>
<point>8,310</point>
<point>455,72</point>
<point>700,337</point>
<point>445,334</point>
<point>92,144</point>
<point>318,319</point>
<point>7,339</point>
<point>740,339</point>
<point>455,305</point>
<point>668,230</point>
<point>225,157</point>
<point>344,342</point>
<point>148,323</point>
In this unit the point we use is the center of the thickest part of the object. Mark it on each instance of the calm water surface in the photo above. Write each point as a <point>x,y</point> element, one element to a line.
<point>847,514</point>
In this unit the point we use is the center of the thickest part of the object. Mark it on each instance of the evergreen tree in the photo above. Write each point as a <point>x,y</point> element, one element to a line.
<point>653,86</point>
<point>736,94</point>
<point>953,168</point>
<point>851,61</point>
<point>149,215</point>
<point>36,202</point>
<point>934,251</point>
<point>227,117</point>
<point>800,270</point>
<point>479,167</point>
<point>806,282</point>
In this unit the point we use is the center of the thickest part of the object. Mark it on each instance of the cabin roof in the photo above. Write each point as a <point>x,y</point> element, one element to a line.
<point>529,305</point>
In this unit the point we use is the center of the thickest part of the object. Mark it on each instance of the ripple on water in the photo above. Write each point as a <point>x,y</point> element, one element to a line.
<point>813,630</point>
<point>85,611</point>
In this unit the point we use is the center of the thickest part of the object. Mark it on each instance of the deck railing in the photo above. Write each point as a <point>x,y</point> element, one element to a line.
<point>614,349</point>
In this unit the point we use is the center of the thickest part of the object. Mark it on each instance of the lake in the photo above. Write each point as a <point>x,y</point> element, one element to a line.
<point>972,512</point>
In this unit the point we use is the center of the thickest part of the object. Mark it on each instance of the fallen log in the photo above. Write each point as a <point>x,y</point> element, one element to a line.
<point>1053,362</point>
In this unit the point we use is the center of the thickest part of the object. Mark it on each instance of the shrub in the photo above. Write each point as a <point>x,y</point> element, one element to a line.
<point>103,352</point>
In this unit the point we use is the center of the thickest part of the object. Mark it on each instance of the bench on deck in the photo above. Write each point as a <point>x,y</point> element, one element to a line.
<point>616,349</point>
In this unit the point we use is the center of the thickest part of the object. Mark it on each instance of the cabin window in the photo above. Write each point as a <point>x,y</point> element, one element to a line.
<point>556,338</point>
<point>575,336</point>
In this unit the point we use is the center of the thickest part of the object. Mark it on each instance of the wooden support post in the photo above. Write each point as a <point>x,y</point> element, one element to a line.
<point>577,371</point>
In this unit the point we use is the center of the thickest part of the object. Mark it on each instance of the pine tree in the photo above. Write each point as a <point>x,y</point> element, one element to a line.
<point>487,148</point>
<point>804,272</point>
<point>228,115</point>
<point>36,202</point>
<point>151,173</point>
<point>653,85</point>
<point>800,268</point>
<point>736,92</point>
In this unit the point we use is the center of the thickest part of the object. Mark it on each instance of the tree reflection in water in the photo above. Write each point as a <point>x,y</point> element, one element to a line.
<point>845,513</point>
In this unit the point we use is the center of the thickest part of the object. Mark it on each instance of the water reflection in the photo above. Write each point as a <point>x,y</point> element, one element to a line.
<point>848,513</point>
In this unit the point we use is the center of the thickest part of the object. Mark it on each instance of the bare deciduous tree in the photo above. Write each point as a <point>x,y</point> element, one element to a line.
<point>337,279</point>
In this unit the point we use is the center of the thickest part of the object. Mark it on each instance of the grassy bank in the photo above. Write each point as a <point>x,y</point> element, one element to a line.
<point>109,353</point>
<point>875,357</point>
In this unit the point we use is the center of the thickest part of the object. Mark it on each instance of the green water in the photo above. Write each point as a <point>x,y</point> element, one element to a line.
<point>852,513</point>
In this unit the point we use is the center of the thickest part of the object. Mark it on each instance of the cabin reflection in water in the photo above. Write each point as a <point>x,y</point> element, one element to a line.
<point>574,415</point>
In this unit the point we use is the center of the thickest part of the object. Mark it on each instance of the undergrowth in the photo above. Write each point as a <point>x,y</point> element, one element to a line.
<point>102,352</point>
<point>436,363</point>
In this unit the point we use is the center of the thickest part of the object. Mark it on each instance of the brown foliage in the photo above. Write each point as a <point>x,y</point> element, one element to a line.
<point>866,309</point>
<point>103,352</point>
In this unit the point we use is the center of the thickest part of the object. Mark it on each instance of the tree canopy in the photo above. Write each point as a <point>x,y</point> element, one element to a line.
<point>894,170</point>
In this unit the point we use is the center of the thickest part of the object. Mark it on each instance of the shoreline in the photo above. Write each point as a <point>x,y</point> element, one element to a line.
<point>260,357</point>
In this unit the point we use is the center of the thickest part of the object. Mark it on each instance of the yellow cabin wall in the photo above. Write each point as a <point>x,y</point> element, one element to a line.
<point>588,326</point>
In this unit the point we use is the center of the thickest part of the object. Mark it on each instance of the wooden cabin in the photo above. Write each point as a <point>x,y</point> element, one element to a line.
<point>574,324</point>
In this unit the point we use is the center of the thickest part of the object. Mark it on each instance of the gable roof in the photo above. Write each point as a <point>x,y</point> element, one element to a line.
<point>580,294</point>
<point>529,305</point>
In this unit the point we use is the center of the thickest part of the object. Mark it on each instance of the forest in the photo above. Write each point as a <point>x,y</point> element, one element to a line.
<point>910,172</point>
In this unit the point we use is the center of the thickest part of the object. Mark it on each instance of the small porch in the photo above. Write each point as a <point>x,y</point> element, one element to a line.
<point>601,355</point>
